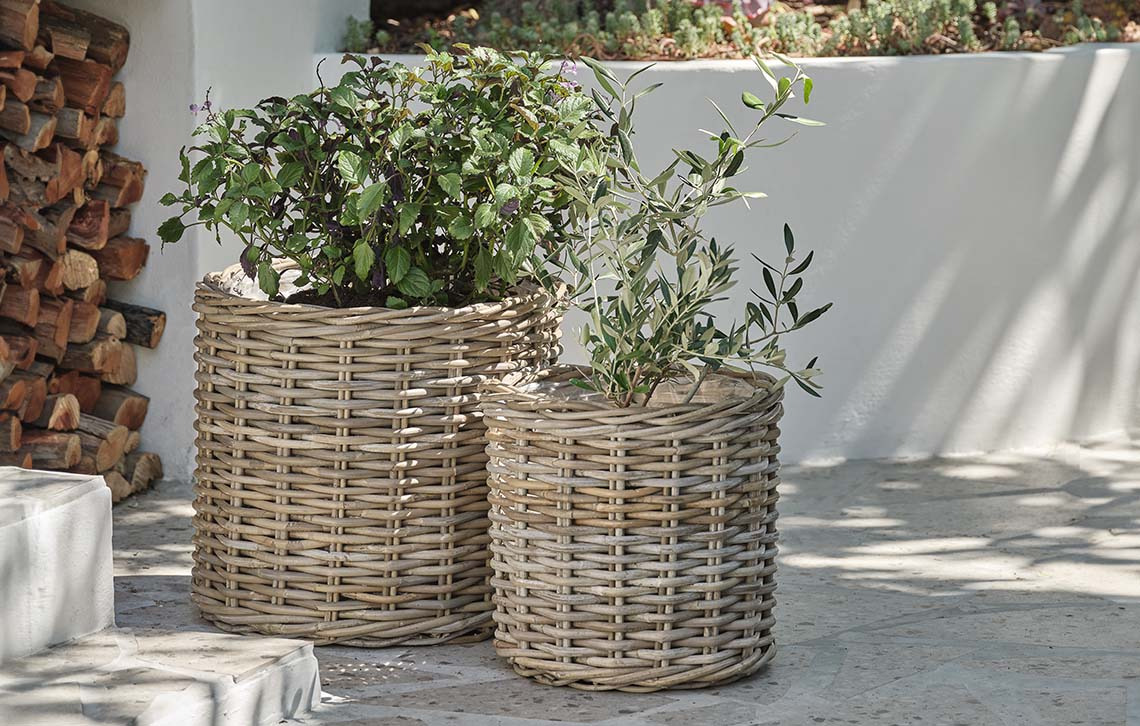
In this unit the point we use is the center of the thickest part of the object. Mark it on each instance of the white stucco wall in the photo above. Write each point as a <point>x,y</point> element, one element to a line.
<point>977,224</point>
<point>244,50</point>
<point>976,221</point>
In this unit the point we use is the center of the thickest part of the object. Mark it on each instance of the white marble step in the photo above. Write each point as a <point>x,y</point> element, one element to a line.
<point>56,570</point>
<point>161,678</point>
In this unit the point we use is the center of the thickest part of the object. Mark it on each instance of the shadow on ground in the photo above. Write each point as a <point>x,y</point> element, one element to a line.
<point>1002,589</point>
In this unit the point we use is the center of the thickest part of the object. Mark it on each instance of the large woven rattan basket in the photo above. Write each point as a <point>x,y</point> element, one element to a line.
<point>341,484</point>
<point>634,549</point>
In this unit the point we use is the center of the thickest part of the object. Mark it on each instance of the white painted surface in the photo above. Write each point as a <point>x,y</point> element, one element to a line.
<point>244,51</point>
<point>56,570</point>
<point>162,677</point>
<point>974,219</point>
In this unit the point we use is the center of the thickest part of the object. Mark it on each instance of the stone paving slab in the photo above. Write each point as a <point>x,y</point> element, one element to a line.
<point>994,590</point>
<point>145,677</point>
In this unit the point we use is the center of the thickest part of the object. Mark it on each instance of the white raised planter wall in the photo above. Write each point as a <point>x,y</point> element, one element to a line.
<point>976,221</point>
<point>56,574</point>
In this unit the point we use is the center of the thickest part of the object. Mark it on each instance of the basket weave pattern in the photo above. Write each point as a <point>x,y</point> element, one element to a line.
<point>633,549</point>
<point>341,482</point>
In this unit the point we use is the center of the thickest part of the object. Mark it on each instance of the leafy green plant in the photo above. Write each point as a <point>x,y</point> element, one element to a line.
<point>358,35</point>
<point>681,29</point>
<point>398,185</point>
<point>647,274</point>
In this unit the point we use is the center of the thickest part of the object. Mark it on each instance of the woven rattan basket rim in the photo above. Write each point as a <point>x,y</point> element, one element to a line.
<point>527,292</point>
<point>550,390</point>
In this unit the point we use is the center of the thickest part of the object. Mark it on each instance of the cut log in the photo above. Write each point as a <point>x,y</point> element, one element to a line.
<point>95,293</point>
<point>11,236</point>
<point>73,124</point>
<point>109,431</point>
<point>24,268</point>
<point>38,58</point>
<point>15,117</point>
<point>60,413</point>
<point>122,258</point>
<point>108,321</point>
<point>65,37</point>
<point>52,449</point>
<point>50,277</point>
<point>43,369</point>
<point>120,222</point>
<point>58,167</point>
<point>11,432</point>
<point>144,325</point>
<point>105,453</point>
<point>46,347</point>
<point>48,96</point>
<point>122,406</point>
<point>110,42</point>
<point>21,459</point>
<point>127,176</point>
<point>13,391</point>
<point>21,83</point>
<point>40,133</point>
<point>85,319</point>
<point>48,231</point>
<point>86,389</point>
<point>7,365</point>
<point>5,189</point>
<point>21,304</point>
<point>116,104</point>
<point>142,469</point>
<point>134,439</point>
<point>36,386</point>
<point>86,84</point>
<point>79,269</point>
<point>90,225</point>
<point>106,133</point>
<point>125,370</point>
<point>11,58</point>
<point>92,169</point>
<point>118,484</point>
<point>22,347</point>
<point>67,173</point>
<point>99,356</point>
<point>55,312</point>
<point>19,23</point>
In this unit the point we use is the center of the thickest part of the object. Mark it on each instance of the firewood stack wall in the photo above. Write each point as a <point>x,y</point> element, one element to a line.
<point>67,350</point>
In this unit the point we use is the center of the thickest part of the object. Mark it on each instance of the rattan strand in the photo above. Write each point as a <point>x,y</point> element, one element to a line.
<point>633,549</point>
<point>341,466</point>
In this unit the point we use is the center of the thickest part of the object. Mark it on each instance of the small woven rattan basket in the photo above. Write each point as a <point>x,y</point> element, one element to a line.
<point>634,549</point>
<point>341,491</point>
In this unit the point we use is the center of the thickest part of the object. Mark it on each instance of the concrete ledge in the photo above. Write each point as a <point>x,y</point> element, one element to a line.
<point>161,678</point>
<point>56,571</point>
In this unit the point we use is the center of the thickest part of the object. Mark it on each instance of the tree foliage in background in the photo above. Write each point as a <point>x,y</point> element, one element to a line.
<point>397,186</point>
<point>678,29</point>
<point>647,274</point>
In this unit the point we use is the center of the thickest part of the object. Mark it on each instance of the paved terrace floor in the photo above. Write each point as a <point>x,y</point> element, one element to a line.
<point>1002,590</point>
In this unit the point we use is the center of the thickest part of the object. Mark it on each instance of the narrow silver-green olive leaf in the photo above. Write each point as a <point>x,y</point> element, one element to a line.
<point>751,100</point>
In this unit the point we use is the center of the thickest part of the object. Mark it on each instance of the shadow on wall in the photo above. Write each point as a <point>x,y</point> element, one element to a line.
<point>976,221</point>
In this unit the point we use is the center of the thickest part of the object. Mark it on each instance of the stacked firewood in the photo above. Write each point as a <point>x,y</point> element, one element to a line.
<point>67,350</point>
